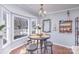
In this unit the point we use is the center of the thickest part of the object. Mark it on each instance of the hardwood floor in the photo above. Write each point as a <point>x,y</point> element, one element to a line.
<point>61,50</point>
<point>56,50</point>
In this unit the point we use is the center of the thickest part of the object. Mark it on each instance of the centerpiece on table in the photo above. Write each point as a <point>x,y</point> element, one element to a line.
<point>39,33</point>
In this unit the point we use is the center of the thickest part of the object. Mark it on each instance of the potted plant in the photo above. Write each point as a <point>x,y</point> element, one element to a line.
<point>1,27</point>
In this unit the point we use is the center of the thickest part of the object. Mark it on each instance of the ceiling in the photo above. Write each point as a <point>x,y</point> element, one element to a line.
<point>34,8</point>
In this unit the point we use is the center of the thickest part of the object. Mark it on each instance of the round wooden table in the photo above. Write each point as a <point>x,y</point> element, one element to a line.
<point>39,37</point>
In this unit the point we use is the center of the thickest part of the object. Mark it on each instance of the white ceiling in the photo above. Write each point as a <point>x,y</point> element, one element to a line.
<point>34,8</point>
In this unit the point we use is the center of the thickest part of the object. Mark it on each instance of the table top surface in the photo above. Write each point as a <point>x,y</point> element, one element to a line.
<point>39,36</point>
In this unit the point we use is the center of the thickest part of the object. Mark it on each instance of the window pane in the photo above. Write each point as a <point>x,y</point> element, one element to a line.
<point>20,27</point>
<point>4,29</point>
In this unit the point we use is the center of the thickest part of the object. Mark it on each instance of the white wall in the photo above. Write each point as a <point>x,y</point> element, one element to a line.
<point>66,39</point>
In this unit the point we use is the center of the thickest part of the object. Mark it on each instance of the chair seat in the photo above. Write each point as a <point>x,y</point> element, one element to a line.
<point>32,47</point>
<point>48,43</point>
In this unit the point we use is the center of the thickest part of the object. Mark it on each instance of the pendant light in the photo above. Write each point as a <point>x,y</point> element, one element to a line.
<point>42,12</point>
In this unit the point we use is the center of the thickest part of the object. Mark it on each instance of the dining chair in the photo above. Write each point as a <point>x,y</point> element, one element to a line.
<point>48,44</point>
<point>31,47</point>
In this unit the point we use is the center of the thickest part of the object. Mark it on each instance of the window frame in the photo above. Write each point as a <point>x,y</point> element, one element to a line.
<point>19,16</point>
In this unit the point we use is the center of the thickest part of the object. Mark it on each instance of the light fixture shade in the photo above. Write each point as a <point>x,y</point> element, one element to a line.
<point>45,12</point>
